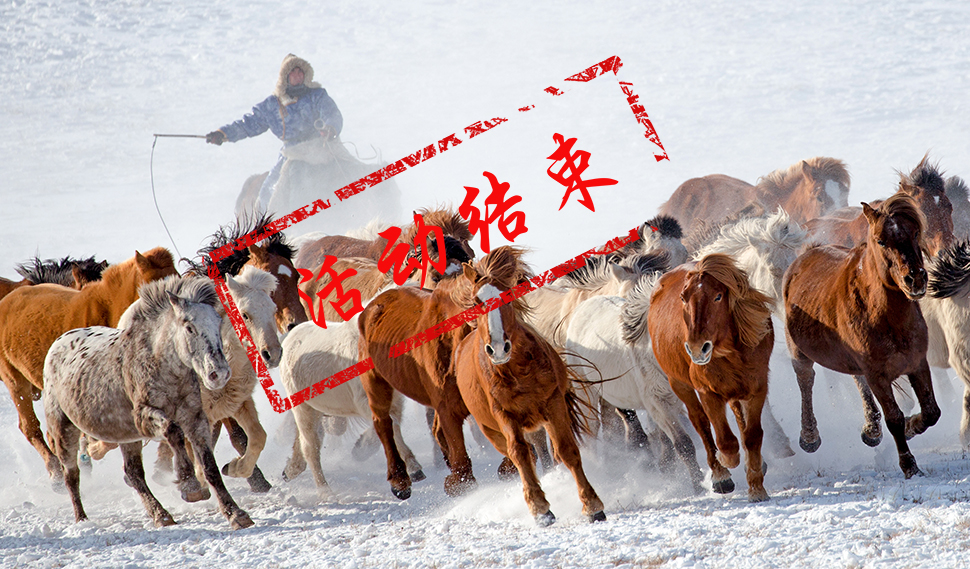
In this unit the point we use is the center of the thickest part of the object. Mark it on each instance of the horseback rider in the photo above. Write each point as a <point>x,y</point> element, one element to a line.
<point>299,110</point>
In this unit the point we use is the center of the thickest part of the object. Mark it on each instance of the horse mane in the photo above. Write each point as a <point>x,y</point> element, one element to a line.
<point>925,176</point>
<point>255,278</point>
<point>666,225</point>
<point>60,272</point>
<point>154,295</point>
<point>370,231</point>
<point>776,230</point>
<point>956,189</point>
<point>451,223</point>
<point>949,275</point>
<point>819,167</point>
<point>750,308</point>
<point>276,244</point>
<point>633,316</point>
<point>901,205</point>
<point>505,267</point>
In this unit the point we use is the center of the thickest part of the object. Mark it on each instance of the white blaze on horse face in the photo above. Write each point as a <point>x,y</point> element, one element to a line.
<point>498,349</point>
<point>834,190</point>
<point>284,270</point>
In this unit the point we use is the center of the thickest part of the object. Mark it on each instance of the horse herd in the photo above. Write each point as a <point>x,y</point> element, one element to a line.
<point>679,320</point>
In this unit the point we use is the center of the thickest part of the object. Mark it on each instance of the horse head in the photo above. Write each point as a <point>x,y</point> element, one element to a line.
<point>495,274</point>
<point>926,186</point>
<point>198,343</point>
<point>895,243</point>
<point>721,308</point>
<point>251,292</point>
<point>664,233</point>
<point>286,295</point>
<point>154,265</point>
<point>812,188</point>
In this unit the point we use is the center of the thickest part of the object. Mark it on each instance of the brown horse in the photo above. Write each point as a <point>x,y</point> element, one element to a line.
<point>32,317</point>
<point>805,190</point>
<point>711,332</point>
<point>313,254</point>
<point>424,374</point>
<point>855,311</point>
<point>848,227</point>
<point>273,255</point>
<point>514,381</point>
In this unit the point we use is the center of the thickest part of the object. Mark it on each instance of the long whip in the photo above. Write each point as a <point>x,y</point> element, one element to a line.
<point>151,171</point>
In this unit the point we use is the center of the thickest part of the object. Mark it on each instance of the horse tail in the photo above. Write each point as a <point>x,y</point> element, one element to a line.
<point>950,273</point>
<point>580,411</point>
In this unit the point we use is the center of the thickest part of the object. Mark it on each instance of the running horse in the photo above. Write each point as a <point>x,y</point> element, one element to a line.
<point>711,334</point>
<point>855,311</point>
<point>806,190</point>
<point>514,381</point>
<point>32,317</point>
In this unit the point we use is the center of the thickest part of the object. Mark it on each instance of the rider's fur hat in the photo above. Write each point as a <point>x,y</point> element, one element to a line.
<point>291,62</point>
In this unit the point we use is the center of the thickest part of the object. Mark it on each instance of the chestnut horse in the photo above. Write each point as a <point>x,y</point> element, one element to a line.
<point>712,335</point>
<point>312,254</point>
<point>273,255</point>
<point>855,311</point>
<point>806,190</point>
<point>32,317</point>
<point>514,381</point>
<point>848,226</point>
<point>425,374</point>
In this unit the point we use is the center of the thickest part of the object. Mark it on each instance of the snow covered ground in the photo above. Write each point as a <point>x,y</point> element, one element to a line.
<point>740,88</point>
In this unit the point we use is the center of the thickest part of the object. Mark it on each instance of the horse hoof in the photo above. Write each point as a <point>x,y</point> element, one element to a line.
<point>725,486</point>
<point>456,486</point>
<point>755,496</point>
<point>164,520</point>
<point>401,494</point>
<point>507,470</point>
<point>871,441</point>
<point>809,446</point>
<point>200,495</point>
<point>597,517</point>
<point>417,476</point>
<point>258,483</point>
<point>240,520</point>
<point>547,519</point>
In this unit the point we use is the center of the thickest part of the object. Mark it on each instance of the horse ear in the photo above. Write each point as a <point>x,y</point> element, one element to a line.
<point>231,283</point>
<point>177,302</point>
<point>871,215</point>
<point>140,260</point>
<point>469,272</point>
<point>256,251</point>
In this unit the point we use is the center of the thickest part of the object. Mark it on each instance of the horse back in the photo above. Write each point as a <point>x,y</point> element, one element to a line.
<point>846,227</point>
<point>313,254</point>
<point>709,198</point>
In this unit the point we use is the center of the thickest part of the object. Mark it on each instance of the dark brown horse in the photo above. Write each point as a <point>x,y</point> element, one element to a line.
<point>32,317</point>
<point>74,273</point>
<point>424,374</point>
<point>805,190</point>
<point>313,254</point>
<point>711,332</point>
<point>514,381</point>
<point>855,311</point>
<point>848,226</point>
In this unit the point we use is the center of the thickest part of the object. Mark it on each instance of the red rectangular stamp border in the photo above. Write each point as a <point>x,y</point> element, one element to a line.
<point>282,404</point>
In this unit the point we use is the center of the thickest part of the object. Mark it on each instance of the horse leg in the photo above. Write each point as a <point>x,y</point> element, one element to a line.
<point>450,420</point>
<point>440,460</point>
<point>965,418</point>
<point>808,439</point>
<point>20,391</point>
<point>379,394</point>
<point>135,477</point>
<point>752,434</point>
<point>65,440</point>
<point>872,429</point>
<point>240,441</point>
<point>566,447</point>
<point>895,422</point>
<point>163,460</point>
<point>728,447</point>
<point>242,466</point>
<point>310,441</point>
<point>669,422</point>
<point>929,411</point>
<point>777,441</point>
<point>198,434</point>
<point>537,440</point>
<point>720,476</point>
<point>187,477</point>
<point>296,464</point>
<point>397,415</point>
<point>611,426</point>
<point>636,437</point>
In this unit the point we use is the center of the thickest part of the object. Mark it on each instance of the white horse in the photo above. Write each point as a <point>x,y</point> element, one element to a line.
<point>610,332</point>
<point>128,386</point>
<point>310,354</point>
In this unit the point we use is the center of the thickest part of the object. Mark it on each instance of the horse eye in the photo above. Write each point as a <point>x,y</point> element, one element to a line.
<point>246,316</point>
<point>717,298</point>
<point>881,243</point>
<point>189,328</point>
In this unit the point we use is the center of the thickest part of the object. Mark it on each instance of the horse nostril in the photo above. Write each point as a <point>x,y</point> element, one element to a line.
<point>908,280</point>
<point>265,354</point>
<point>508,346</point>
<point>213,377</point>
<point>707,347</point>
<point>489,350</point>
<point>291,326</point>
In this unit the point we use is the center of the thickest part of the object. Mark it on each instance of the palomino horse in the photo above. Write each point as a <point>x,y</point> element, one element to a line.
<point>312,254</point>
<point>424,374</point>
<point>712,335</point>
<point>273,255</point>
<point>806,190</point>
<point>128,386</point>
<point>514,381</point>
<point>848,227</point>
<point>310,354</point>
<point>49,310</point>
<point>854,311</point>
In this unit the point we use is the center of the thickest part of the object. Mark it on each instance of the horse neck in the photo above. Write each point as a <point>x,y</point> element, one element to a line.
<point>881,298</point>
<point>106,300</point>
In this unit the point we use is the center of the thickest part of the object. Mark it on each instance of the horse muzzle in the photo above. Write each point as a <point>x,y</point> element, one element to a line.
<point>915,287</point>
<point>701,356</point>
<point>499,356</point>
<point>215,375</point>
